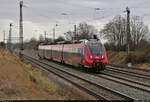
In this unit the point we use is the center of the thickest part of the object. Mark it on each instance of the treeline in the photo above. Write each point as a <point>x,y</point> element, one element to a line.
<point>33,42</point>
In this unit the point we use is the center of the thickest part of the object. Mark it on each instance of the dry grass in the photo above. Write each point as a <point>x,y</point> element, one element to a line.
<point>116,57</point>
<point>21,81</point>
<point>36,76</point>
<point>143,65</point>
<point>138,58</point>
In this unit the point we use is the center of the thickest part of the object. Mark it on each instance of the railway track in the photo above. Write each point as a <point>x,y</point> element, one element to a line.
<point>132,72</point>
<point>96,90</point>
<point>128,78</point>
<point>138,79</point>
<point>126,67</point>
<point>128,82</point>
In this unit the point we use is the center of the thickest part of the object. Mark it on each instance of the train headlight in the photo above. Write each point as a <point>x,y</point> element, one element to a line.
<point>91,57</point>
<point>102,56</point>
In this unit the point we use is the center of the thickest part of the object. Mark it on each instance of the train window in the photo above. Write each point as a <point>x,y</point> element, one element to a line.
<point>74,50</point>
<point>95,48</point>
<point>80,52</point>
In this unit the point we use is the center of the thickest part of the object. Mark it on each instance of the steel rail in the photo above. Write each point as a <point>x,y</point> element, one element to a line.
<point>126,82</point>
<point>133,68</point>
<point>128,73</point>
<point>126,79</point>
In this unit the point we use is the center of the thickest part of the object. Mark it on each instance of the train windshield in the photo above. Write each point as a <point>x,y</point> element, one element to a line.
<point>95,48</point>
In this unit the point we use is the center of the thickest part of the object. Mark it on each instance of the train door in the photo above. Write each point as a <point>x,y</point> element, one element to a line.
<point>66,54</point>
<point>78,56</point>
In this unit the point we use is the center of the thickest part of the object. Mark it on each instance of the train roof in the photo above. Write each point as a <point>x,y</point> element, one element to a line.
<point>71,42</point>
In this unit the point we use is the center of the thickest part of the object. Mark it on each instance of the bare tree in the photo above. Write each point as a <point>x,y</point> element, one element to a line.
<point>69,35</point>
<point>115,32</point>
<point>84,31</point>
<point>2,44</point>
<point>60,38</point>
<point>41,38</point>
<point>138,31</point>
<point>32,44</point>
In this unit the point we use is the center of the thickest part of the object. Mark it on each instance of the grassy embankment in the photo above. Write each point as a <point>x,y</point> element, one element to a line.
<point>19,80</point>
<point>137,58</point>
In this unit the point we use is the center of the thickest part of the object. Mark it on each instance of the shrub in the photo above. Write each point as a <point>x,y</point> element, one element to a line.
<point>137,57</point>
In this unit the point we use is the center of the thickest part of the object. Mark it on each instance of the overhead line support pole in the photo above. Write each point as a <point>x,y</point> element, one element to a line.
<point>9,39</point>
<point>75,32</point>
<point>4,36</point>
<point>128,30</point>
<point>54,35</point>
<point>21,30</point>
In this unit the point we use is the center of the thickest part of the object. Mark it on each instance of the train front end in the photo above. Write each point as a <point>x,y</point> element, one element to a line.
<point>95,55</point>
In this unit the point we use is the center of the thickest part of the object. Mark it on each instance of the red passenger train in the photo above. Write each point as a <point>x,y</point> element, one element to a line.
<point>86,53</point>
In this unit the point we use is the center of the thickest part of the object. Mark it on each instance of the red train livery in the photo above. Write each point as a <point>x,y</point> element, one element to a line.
<point>86,53</point>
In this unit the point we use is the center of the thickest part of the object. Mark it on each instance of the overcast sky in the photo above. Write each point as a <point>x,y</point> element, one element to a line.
<point>43,15</point>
